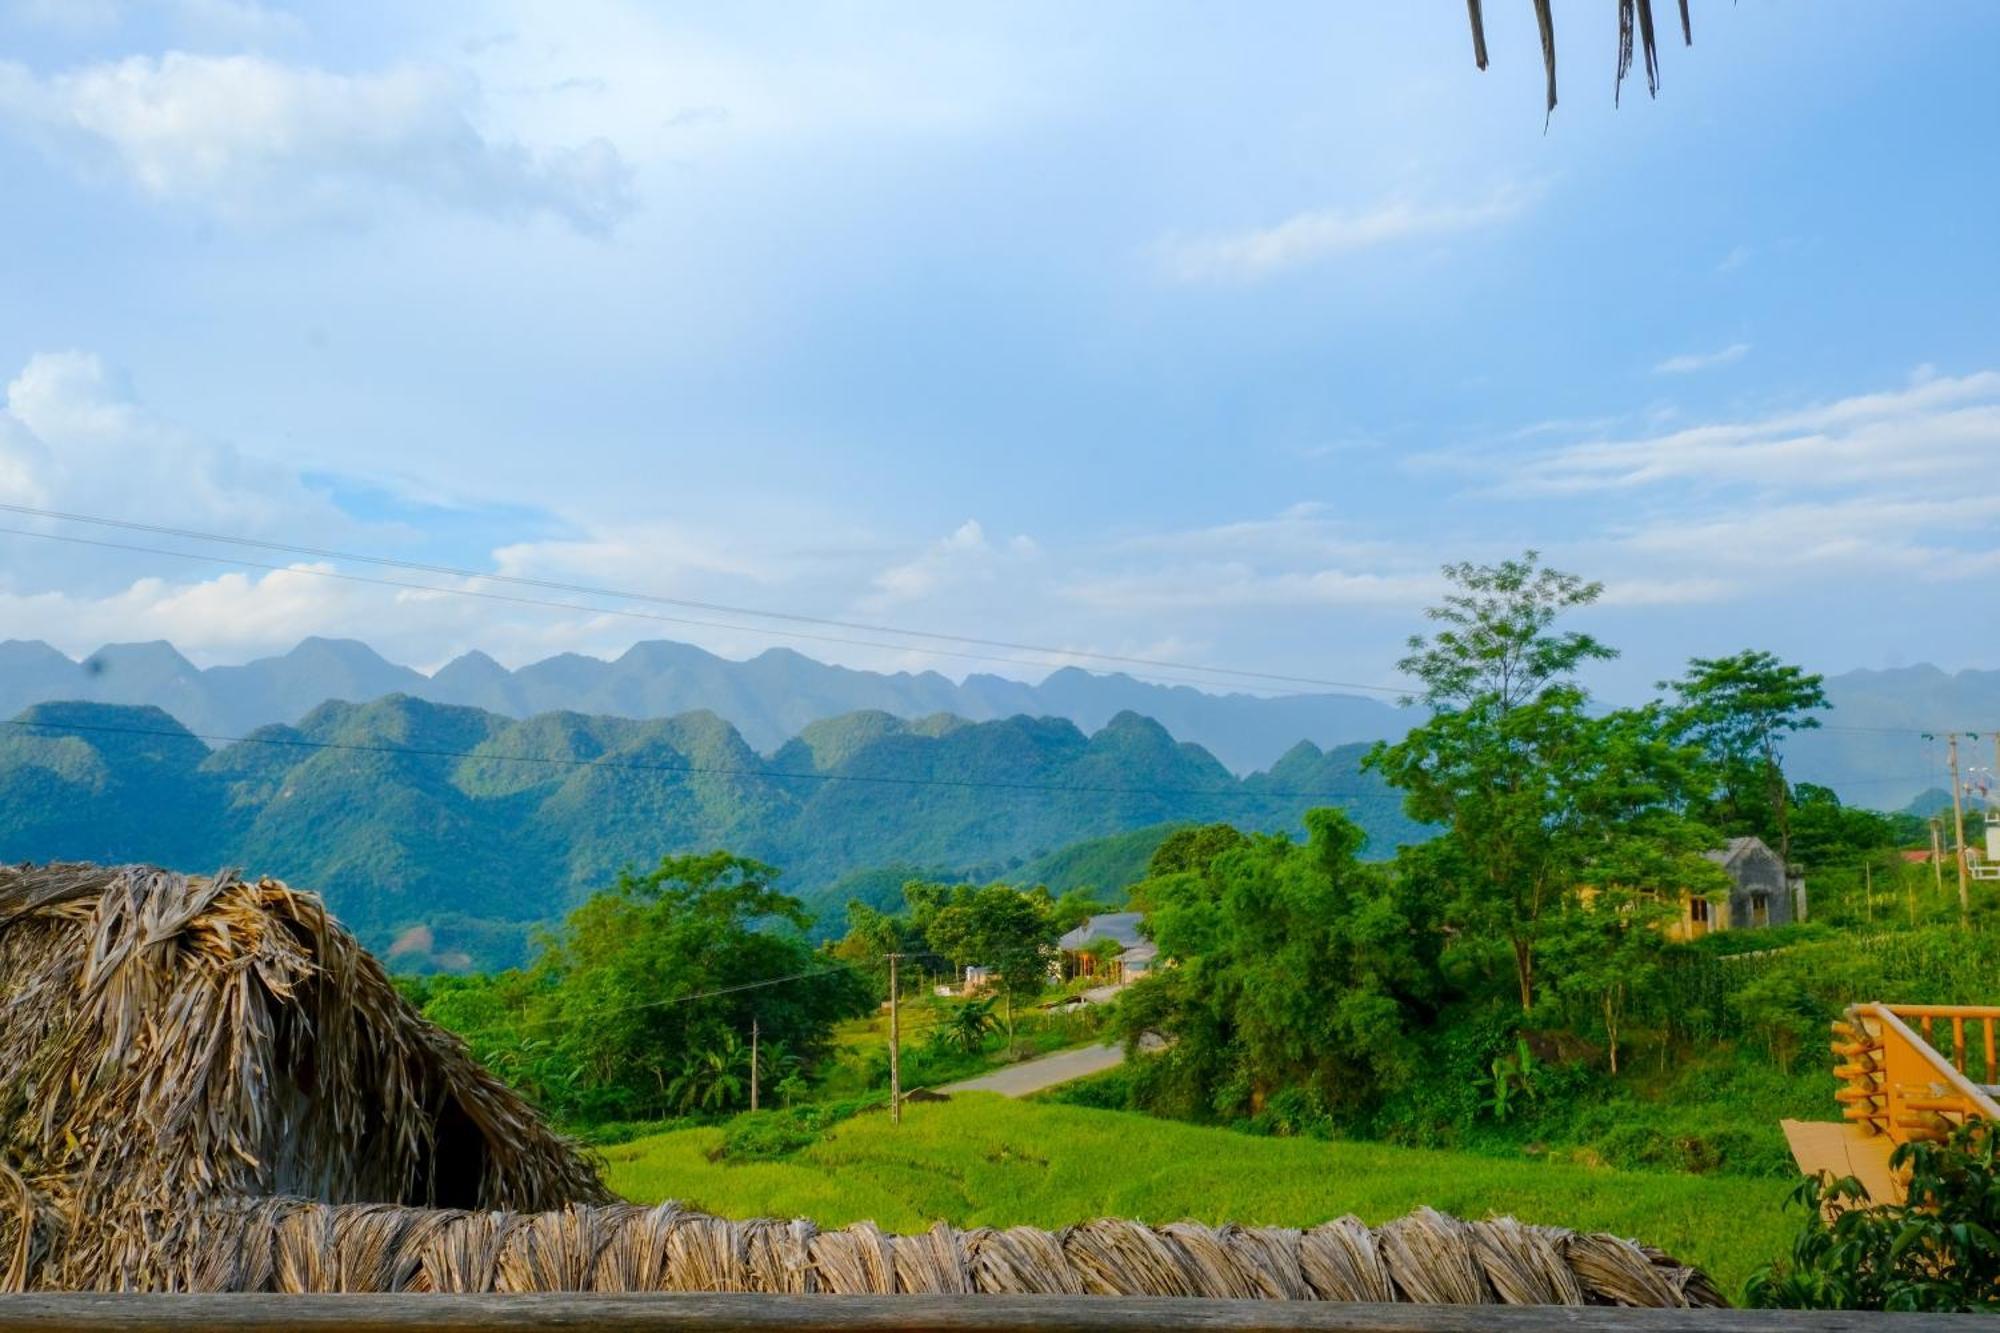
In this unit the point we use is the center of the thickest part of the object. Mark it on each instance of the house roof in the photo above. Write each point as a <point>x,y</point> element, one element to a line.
<point>1120,927</point>
<point>1736,848</point>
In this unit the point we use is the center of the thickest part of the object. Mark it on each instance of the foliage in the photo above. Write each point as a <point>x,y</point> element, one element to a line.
<point>1938,1252</point>
<point>1293,966</point>
<point>441,863</point>
<point>966,1026</point>
<point>1739,709</point>
<point>1005,930</point>
<point>639,1006</point>
<point>1512,1077</point>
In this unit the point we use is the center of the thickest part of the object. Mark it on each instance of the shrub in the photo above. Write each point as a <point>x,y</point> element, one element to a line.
<point>1938,1252</point>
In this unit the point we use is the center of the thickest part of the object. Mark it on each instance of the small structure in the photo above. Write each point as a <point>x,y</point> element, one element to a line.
<point>1763,891</point>
<point>1109,948</point>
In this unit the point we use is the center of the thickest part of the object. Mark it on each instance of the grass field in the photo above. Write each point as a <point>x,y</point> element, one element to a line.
<point>984,1160</point>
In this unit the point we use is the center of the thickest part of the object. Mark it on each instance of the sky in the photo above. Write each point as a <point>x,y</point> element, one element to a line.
<point>1198,333</point>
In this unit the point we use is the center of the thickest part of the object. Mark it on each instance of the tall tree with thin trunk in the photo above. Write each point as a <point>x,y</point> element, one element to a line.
<point>1505,761</point>
<point>1740,709</point>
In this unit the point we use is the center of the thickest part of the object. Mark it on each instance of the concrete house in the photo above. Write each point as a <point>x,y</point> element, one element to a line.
<point>1763,892</point>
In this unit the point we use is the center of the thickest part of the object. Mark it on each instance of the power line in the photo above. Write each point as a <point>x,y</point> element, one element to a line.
<point>775,775</point>
<point>554,585</point>
<point>613,1011</point>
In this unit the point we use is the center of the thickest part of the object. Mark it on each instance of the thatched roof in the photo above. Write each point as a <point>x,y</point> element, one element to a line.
<point>168,1041</point>
<point>207,1085</point>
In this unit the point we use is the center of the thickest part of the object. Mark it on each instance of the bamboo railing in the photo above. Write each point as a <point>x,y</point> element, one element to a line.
<point>1908,1083</point>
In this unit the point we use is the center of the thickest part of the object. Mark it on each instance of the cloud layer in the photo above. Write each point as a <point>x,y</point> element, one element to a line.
<point>1310,237</point>
<point>250,139</point>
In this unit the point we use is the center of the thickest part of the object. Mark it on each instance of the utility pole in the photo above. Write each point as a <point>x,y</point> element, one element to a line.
<point>895,1047</point>
<point>1937,852</point>
<point>1958,825</point>
<point>753,1063</point>
<point>1867,879</point>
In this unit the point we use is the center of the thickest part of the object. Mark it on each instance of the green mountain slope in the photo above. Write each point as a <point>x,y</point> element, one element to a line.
<point>477,827</point>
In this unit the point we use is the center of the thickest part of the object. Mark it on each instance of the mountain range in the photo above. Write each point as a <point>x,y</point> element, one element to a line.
<point>445,833</point>
<point>1871,750</point>
<point>769,699</point>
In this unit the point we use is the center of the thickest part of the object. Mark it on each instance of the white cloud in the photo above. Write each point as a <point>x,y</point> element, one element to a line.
<point>251,139</point>
<point>1689,362</point>
<point>1936,427</point>
<point>74,435</point>
<point>1305,238</point>
<point>954,563</point>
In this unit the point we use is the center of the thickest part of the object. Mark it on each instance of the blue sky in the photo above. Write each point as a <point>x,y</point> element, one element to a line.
<point>1189,331</point>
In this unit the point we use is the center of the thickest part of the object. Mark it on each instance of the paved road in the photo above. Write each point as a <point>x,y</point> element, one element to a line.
<point>1034,1075</point>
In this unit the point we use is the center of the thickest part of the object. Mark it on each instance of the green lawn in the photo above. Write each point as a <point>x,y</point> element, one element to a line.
<point>984,1160</point>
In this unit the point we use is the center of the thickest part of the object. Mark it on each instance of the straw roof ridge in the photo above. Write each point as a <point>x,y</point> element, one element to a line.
<point>288,1245</point>
<point>171,1040</point>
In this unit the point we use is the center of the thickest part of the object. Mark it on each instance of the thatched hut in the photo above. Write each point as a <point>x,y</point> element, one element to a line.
<point>207,1085</point>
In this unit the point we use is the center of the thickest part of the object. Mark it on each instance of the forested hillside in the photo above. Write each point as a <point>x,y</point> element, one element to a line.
<point>474,826</point>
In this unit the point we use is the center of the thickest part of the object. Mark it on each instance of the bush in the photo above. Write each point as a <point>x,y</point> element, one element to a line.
<point>1938,1253</point>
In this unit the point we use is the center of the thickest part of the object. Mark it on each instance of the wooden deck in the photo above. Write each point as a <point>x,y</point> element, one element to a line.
<point>1841,1149</point>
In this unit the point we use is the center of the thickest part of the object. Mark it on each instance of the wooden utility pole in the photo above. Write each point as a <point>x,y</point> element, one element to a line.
<point>753,1063</point>
<point>1937,852</point>
<point>1867,880</point>
<point>895,1047</point>
<point>1958,826</point>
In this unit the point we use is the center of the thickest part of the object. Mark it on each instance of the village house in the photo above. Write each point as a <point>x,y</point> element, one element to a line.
<point>1763,892</point>
<point>1108,948</point>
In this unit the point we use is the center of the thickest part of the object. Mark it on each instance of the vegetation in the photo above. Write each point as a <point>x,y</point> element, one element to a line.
<point>448,863</point>
<point>980,1160</point>
<point>1939,1253</point>
<point>644,1003</point>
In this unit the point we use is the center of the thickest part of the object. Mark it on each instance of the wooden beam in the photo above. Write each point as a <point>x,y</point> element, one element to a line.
<point>906,1314</point>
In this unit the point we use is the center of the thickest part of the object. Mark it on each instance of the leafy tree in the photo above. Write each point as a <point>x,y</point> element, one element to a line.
<point>1192,849</point>
<point>646,992</point>
<point>1295,966</point>
<point>1002,928</point>
<point>1510,738</point>
<point>1740,709</point>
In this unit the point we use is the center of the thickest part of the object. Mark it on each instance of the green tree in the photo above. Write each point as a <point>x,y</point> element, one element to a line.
<point>1294,966</point>
<point>649,989</point>
<point>1740,709</point>
<point>1501,760</point>
<point>1002,928</point>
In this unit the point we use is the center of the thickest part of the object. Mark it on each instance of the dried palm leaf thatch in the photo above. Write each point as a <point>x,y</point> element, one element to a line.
<point>1634,17</point>
<point>167,1041</point>
<point>1427,1257</point>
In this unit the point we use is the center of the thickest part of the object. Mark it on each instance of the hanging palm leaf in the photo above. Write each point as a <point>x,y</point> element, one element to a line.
<point>1635,29</point>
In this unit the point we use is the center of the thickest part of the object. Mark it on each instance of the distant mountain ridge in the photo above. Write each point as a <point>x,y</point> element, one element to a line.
<point>463,829</point>
<point>769,698</point>
<point>1870,751</point>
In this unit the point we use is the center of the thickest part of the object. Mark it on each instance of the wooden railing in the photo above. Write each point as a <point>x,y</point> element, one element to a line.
<point>1900,1081</point>
<point>903,1314</point>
